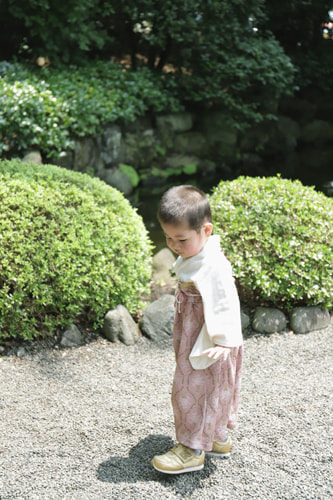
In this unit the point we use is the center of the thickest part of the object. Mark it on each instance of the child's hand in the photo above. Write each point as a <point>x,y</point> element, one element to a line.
<point>217,352</point>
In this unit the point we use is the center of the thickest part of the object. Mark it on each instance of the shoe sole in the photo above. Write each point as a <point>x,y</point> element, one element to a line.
<point>220,455</point>
<point>181,471</point>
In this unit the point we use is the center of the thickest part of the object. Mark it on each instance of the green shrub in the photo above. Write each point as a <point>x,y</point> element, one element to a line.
<point>278,235</point>
<point>70,245</point>
<point>47,108</point>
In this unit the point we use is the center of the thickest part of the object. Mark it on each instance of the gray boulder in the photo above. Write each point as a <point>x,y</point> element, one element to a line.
<point>117,179</point>
<point>245,320</point>
<point>138,149</point>
<point>33,157</point>
<point>214,126</point>
<point>308,319</point>
<point>176,122</point>
<point>162,263</point>
<point>191,143</point>
<point>181,161</point>
<point>21,352</point>
<point>111,145</point>
<point>85,154</point>
<point>71,337</point>
<point>120,326</point>
<point>269,320</point>
<point>158,318</point>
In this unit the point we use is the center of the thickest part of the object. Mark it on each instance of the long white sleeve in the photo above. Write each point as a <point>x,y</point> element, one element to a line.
<point>211,273</point>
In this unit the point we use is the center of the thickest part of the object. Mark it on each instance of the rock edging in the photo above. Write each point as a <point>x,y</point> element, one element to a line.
<point>157,318</point>
<point>156,322</point>
<point>300,320</point>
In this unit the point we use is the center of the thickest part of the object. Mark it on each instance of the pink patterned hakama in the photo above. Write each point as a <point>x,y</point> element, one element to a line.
<point>205,402</point>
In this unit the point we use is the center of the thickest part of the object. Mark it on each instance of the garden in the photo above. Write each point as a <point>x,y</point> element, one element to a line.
<point>72,246</point>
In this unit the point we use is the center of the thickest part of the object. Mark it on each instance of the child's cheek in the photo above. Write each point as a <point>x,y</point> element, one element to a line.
<point>189,248</point>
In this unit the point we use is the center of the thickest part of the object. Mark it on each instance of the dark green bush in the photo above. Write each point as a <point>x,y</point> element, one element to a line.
<point>70,246</point>
<point>297,25</point>
<point>278,235</point>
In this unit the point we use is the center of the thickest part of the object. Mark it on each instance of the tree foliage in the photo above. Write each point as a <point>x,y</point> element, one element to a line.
<point>63,30</point>
<point>216,52</point>
<point>209,48</point>
<point>297,25</point>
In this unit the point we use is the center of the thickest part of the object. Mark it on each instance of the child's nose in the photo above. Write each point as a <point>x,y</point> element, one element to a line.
<point>176,247</point>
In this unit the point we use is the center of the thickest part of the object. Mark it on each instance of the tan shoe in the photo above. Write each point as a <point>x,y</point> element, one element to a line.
<point>221,450</point>
<point>178,460</point>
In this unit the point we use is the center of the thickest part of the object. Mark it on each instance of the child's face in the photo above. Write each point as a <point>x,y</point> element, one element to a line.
<point>185,241</point>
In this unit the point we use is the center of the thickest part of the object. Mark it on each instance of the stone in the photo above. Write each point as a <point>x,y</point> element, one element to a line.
<point>158,318</point>
<point>214,126</point>
<point>177,122</point>
<point>21,352</point>
<point>33,157</point>
<point>181,161</point>
<point>100,168</point>
<point>111,145</point>
<point>308,319</point>
<point>269,320</point>
<point>117,179</point>
<point>162,264</point>
<point>71,337</point>
<point>245,320</point>
<point>120,326</point>
<point>141,123</point>
<point>138,150</point>
<point>190,143</point>
<point>86,154</point>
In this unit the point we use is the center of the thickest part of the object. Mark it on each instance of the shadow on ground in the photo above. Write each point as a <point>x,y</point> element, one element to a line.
<point>137,467</point>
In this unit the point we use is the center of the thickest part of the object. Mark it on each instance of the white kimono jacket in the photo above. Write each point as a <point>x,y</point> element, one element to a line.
<point>211,274</point>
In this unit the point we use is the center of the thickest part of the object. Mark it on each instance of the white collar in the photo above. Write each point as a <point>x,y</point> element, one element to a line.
<point>193,264</point>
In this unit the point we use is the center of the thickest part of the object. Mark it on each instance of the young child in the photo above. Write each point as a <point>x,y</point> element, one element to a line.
<point>207,334</point>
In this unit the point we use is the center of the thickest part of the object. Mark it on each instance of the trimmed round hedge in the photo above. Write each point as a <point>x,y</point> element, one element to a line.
<point>70,245</point>
<point>277,234</point>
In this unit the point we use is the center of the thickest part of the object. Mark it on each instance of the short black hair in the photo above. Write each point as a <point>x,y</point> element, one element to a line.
<point>184,205</point>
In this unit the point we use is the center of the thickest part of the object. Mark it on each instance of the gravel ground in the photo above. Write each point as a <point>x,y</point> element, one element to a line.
<point>83,423</point>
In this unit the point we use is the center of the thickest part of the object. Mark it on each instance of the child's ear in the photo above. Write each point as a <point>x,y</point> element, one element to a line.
<point>208,228</point>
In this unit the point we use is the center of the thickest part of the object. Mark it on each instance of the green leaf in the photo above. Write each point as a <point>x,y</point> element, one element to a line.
<point>131,173</point>
<point>190,169</point>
